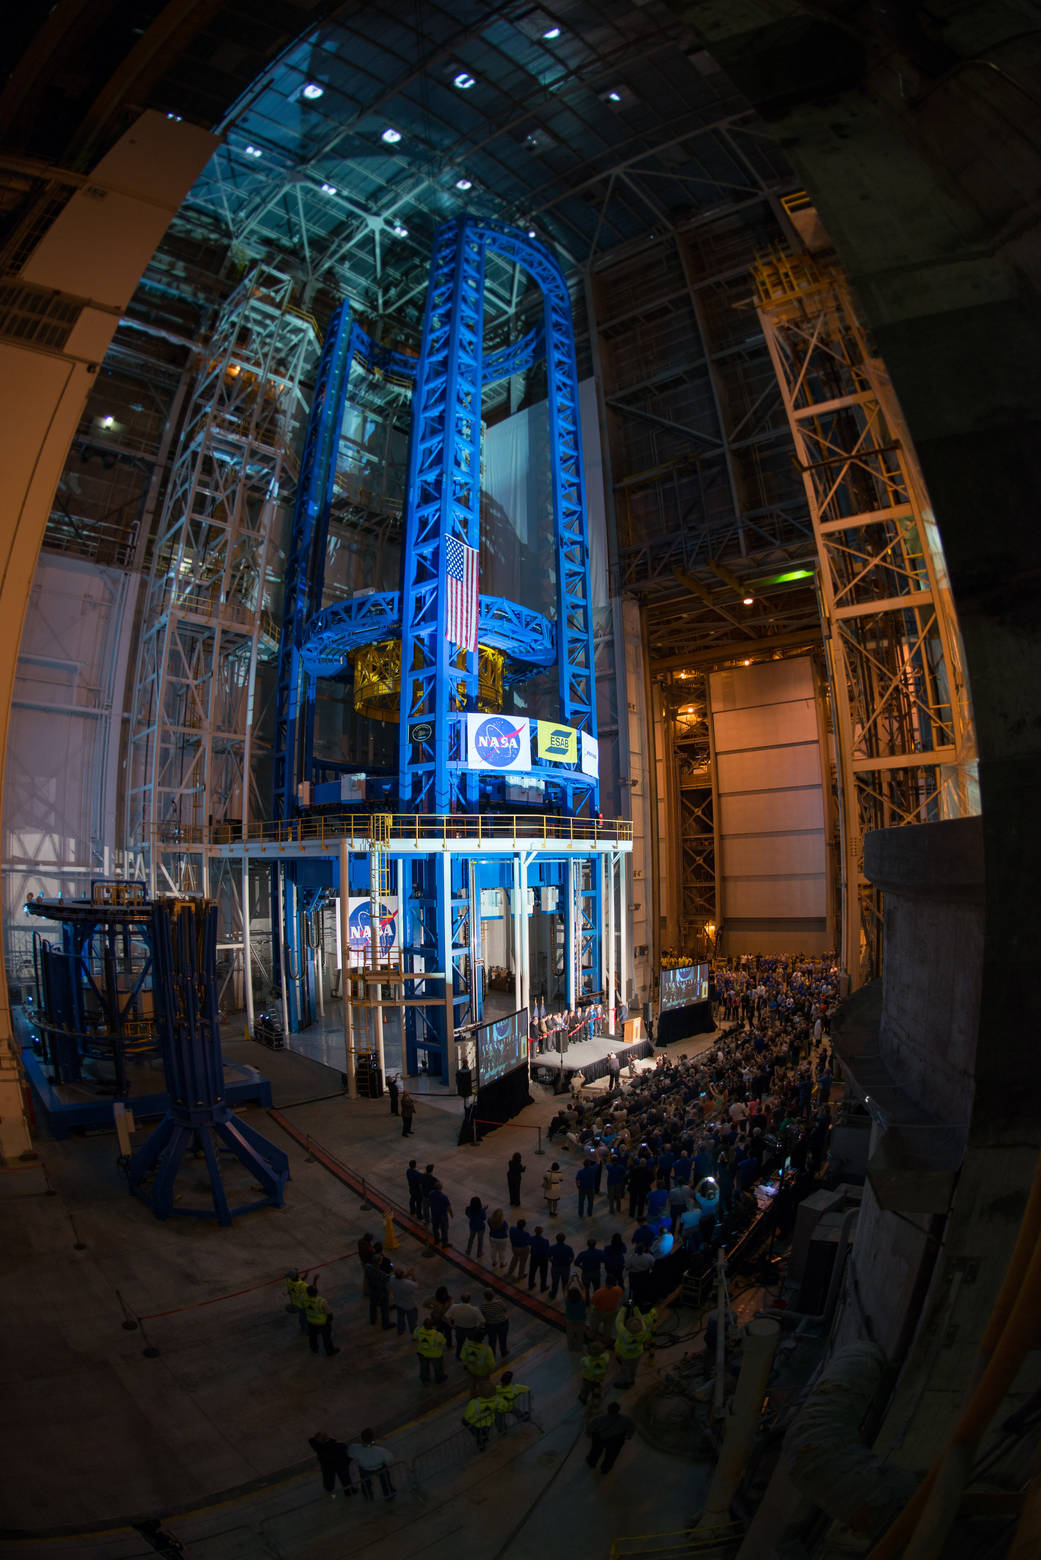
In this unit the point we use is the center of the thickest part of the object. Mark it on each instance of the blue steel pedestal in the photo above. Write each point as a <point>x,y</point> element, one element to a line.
<point>199,1119</point>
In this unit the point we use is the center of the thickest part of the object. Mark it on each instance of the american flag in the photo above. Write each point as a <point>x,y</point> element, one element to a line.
<point>461,576</point>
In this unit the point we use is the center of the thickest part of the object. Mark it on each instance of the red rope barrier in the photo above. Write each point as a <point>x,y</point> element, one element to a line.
<point>150,1316</point>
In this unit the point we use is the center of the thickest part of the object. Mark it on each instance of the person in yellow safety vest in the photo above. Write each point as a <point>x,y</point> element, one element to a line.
<point>649,1318</point>
<point>628,1346</point>
<point>594,1369</point>
<point>478,1361</point>
<point>510,1398</point>
<point>319,1320</point>
<point>296,1289</point>
<point>478,1417</point>
<point>430,1346</point>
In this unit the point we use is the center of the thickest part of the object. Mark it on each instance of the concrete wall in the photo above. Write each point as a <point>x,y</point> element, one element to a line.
<point>931,879</point>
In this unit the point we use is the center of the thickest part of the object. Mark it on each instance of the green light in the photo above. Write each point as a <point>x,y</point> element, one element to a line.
<point>783,579</point>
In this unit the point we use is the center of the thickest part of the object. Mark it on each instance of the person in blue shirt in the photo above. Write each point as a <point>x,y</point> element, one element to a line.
<point>414,1178</point>
<point>681,1168</point>
<point>539,1260</point>
<point>614,1259</point>
<point>440,1213</point>
<point>520,1249</point>
<point>666,1160</point>
<point>644,1234</point>
<point>656,1204</point>
<point>477,1217</point>
<point>615,1183</point>
<point>585,1180</point>
<point>561,1256</point>
<point>588,1264</point>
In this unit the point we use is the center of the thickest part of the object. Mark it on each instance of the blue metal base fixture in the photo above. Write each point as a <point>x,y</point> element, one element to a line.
<point>199,1119</point>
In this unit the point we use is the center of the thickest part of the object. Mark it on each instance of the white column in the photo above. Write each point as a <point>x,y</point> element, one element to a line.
<point>319,962</point>
<point>609,862</point>
<point>399,883</point>
<point>247,950</point>
<point>572,931</point>
<point>345,970</point>
<point>375,989</point>
<point>623,930</point>
<point>446,943</point>
<point>278,924</point>
<point>517,915</point>
<point>525,935</point>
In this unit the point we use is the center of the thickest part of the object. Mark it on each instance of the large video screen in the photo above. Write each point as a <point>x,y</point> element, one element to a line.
<point>501,1046</point>
<point>679,988</point>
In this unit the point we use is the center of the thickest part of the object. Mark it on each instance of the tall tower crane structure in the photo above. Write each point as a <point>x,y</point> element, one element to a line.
<point>442,652</point>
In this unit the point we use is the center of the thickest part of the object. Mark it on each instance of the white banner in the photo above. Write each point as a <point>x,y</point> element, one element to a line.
<point>499,742</point>
<point>590,755</point>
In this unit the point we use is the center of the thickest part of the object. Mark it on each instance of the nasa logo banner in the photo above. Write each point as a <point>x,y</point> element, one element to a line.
<point>590,755</point>
<point>497,742</point>
<point>360,926</point>
<point>557,744</point>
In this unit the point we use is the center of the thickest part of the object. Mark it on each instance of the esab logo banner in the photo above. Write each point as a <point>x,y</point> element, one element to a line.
<point>558,744</point>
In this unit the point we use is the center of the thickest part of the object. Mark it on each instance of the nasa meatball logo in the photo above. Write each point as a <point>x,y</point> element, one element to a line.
<point>361,932</point>
<point>498,741</point>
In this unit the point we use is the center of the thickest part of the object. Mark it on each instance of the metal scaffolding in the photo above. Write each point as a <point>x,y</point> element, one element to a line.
<point>903,719</point>
<point>212,607</point>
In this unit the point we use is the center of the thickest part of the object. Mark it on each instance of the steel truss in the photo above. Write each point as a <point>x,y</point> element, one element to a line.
<point>903,720</point>
<point>697,832</point>
<point>444,502</point>
<point>213,592</point>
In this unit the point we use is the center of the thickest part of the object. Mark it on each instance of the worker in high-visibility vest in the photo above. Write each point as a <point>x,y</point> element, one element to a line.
<point>319,1321</point>
<point>478,1418</point>
<point>430,1346</point>
<point>296,1289</point>
<point>479,1362</point>
<point>510,1398</point>
<point>629,1341</point>
<point>594,1369</point>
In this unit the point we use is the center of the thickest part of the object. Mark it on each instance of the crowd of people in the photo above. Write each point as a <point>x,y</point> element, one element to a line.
<point>681,1147</point>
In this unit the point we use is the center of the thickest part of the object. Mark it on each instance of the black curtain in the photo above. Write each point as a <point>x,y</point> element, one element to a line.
<point>495,1104</point>
<point>682,1023</point>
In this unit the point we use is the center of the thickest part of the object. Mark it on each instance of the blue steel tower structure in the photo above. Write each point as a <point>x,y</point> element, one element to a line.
<point>439,679</point>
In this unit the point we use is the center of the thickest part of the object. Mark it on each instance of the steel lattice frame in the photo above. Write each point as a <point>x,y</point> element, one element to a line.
<point>212,592</point>
<point>444,501</point>
<point>305,565</point>
<point>903,721</point>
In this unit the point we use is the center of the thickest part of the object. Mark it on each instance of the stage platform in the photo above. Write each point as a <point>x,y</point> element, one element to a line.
<point>589,1057</point>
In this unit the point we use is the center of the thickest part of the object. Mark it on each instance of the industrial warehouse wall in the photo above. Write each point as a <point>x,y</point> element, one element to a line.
<point>62,762</point>
<point>771,864</point>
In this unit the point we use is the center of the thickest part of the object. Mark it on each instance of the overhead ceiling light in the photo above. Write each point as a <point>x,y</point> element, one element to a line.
<point>312,91</point>
<point>463,80</point>
<point>328,189</point>
<point>614,97</point>
<point>552,32</point>
<point>108,422</point>
<point>399,230</point>
<point>746,663</point>
<point>390,135</point>
<point>531,232</point>
<point>175,117</point>
<point>747,600</point>
<point>254,151</point>
<point>464,184</point>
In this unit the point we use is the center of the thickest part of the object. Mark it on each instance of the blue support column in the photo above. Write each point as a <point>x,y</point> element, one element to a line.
<point>199,1120</point>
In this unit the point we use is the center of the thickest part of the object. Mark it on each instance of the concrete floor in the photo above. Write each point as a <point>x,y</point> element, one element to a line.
<point>211,1434</point>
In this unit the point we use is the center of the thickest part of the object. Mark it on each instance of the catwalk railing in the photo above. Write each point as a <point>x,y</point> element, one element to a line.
<point>432,827</point>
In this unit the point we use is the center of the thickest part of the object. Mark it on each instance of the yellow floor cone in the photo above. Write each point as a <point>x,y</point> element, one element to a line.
<point>390,1240</point>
